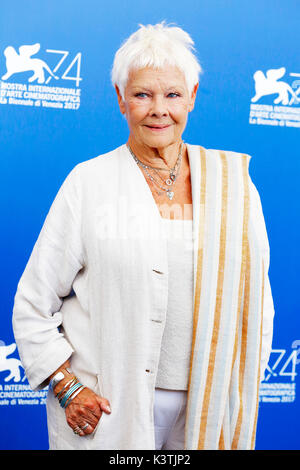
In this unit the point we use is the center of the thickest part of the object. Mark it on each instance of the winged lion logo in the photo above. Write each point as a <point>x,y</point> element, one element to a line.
<point>270,84</point>
<point>23,62</point>
<point>12,364</point>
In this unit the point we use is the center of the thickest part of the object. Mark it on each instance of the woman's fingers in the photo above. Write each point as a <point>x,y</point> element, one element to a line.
<point>84,412</point>
<point>80,415</point>
<point>104,404</point>
<point>85,427</point>
<point>86,422</point>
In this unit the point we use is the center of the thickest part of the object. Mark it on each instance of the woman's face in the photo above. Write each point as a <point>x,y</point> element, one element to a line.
<point>156,105</point>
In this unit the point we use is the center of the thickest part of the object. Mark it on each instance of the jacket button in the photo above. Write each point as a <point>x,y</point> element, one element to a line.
<point>157,271</point>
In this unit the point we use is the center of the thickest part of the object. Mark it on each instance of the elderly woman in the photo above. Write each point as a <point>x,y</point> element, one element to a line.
<point>146,301</point>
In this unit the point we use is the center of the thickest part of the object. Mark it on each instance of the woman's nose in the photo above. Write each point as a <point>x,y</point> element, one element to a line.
<point>158,107</point>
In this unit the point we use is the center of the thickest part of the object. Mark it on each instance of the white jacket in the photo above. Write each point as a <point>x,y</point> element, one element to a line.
<point>94,245</point>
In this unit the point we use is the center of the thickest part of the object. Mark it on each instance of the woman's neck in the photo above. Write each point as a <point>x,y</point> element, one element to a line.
<point>162,157</point>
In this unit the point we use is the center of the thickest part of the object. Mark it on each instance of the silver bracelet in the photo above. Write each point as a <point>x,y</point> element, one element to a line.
<point>74,395</point>
<point>58,377</point>
<point>59,394</point>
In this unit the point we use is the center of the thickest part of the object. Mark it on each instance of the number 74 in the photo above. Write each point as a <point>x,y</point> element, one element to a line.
<point>76,60</point>
<point>292,358</point>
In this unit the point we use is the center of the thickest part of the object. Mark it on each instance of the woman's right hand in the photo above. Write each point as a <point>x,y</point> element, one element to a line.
<point>86,409</point>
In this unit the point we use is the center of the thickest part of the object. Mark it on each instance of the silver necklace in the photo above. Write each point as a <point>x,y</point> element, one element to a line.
<point>173,172</point>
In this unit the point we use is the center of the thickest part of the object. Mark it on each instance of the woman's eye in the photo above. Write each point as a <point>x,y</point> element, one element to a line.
<point>145,95</point>
<point>141,95</point>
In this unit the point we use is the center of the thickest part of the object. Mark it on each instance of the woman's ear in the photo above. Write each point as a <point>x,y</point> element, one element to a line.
<point>120,100</point>
<point>193,97</point>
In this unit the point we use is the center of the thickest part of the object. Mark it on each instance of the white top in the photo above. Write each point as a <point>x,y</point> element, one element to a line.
<point>173,368</point>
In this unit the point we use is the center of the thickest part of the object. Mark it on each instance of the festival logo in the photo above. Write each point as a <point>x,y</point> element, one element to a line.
<point>278,100</point>
<point>14,387</point>
<point>279,384</point>
<point>26,78</point>
<point>11,365</point>
<point>22,62</point>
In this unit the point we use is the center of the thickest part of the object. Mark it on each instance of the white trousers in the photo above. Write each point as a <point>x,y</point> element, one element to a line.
<point>169,418</point>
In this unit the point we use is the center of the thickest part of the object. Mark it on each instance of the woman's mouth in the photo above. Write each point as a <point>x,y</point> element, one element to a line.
<point>157,128</point>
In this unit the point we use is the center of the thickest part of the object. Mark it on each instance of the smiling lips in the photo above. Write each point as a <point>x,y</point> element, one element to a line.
<point>158,127</point>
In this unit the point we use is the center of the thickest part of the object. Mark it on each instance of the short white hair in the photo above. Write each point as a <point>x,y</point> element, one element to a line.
<point>156,46</point>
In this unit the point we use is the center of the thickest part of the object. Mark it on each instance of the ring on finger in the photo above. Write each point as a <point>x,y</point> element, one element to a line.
<point>85,426</point>
<point>76,430</point>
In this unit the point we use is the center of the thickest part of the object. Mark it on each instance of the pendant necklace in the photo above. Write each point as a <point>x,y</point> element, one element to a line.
<point>173,172</point>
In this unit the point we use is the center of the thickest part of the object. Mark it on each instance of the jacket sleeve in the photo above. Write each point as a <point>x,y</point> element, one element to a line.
<point>56,258</point>
<point>268,305</point>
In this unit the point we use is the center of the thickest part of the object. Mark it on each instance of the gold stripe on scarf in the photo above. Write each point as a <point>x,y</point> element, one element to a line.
<point>258,378</point>
<point>217,317</point>
<point>243,349</point>
<point>244,276</point>
<point>244,251</point>
<point>221,440</point>
<point>199,265</point>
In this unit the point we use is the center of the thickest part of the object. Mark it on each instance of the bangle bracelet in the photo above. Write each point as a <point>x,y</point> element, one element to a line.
<point>58,377</point>
<point>74,395</point>
<point>71,382</point>
<point>69,393</point>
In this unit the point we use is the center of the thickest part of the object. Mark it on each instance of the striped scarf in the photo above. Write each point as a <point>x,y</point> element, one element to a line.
<point>224,374</point>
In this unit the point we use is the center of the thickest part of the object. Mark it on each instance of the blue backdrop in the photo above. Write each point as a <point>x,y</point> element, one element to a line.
<point>48,125</point>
